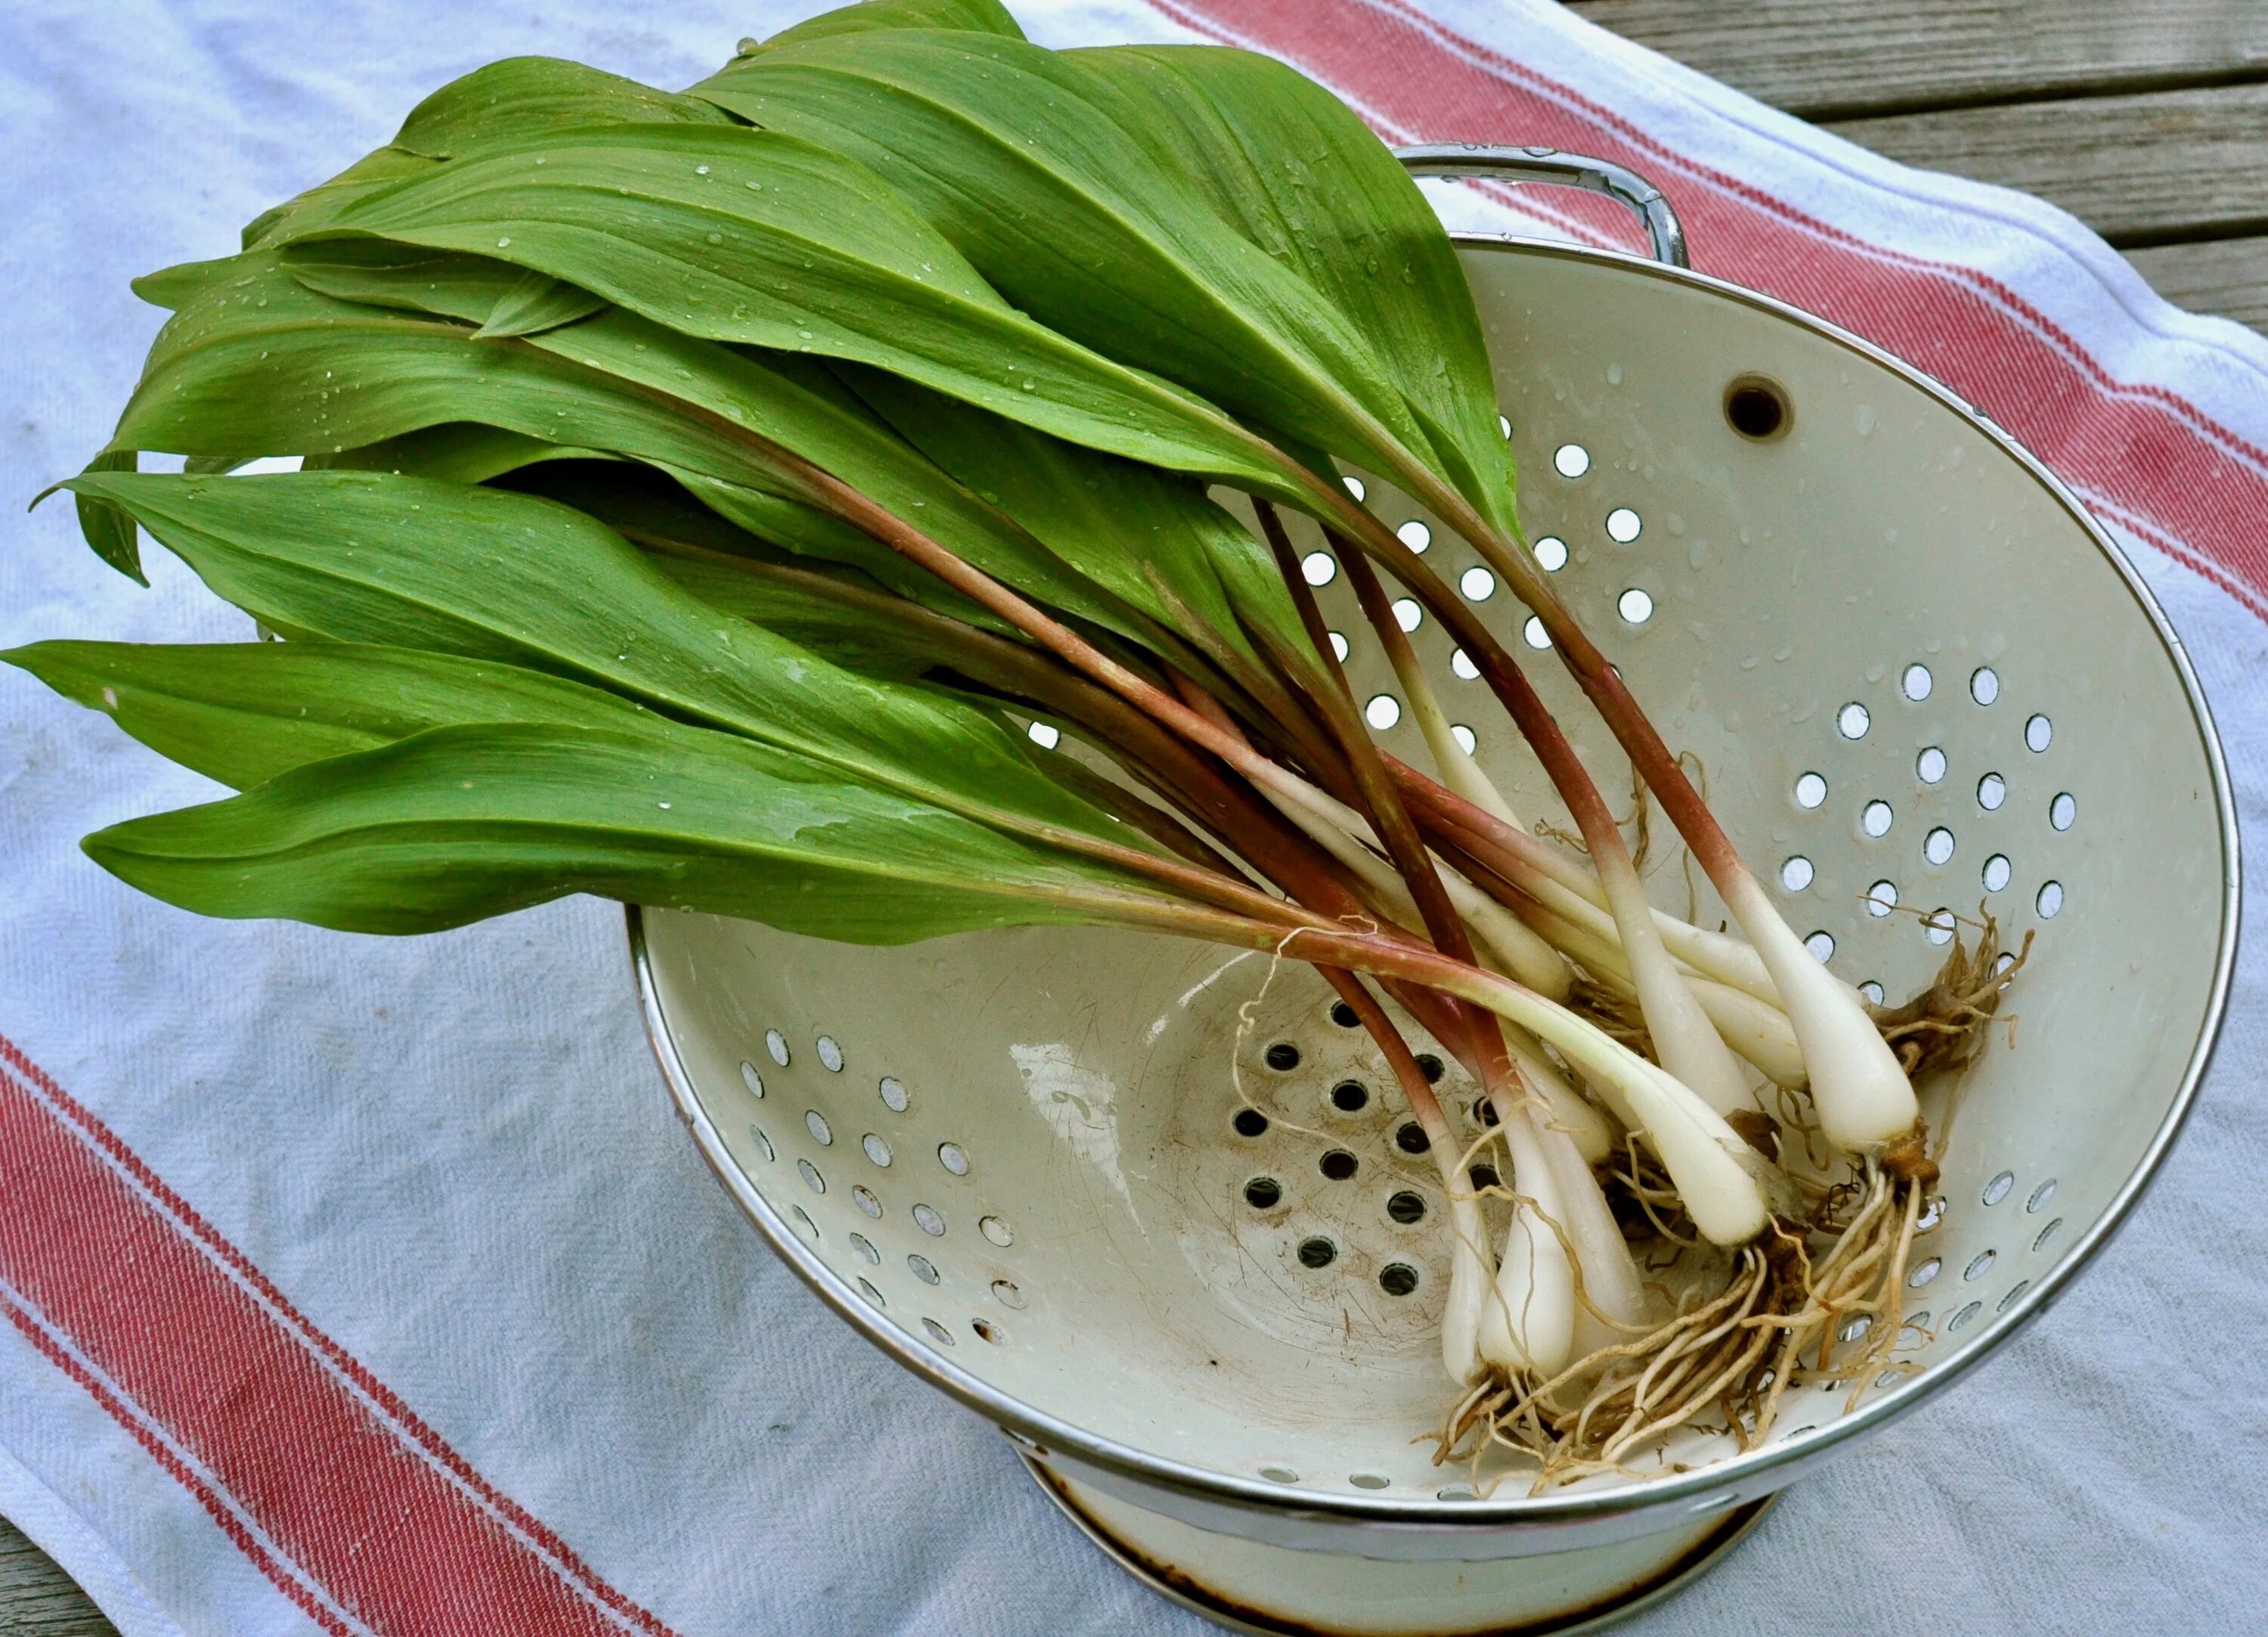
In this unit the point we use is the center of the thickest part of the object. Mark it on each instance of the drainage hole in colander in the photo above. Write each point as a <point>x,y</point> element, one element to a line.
<point>1881,897</point>
<point>2040,1196</point>
<point>864,1197</point>
<point>987,1331</point>
<point>763,1143</point>
<point>1411,1138</point>
<point>1918,1323</point>
<point>1855,1327</point>
<point>2062,811</point>
<point>1929,766</point>
<point>1283,1056</point>
<point>954,1157</point>
<point>1319,568</point>
<point>1431,1068</point>
<point>1477,583</point>
<point>1317,1252</point>
<point>1533,634</point>
<point>1635,605</point>
<point>775,1044</point>
<point>1407,614</point>
<point>877,1150</point>
<point>1622,525</point>
<point>1353,486</point>
<point>1262,1193</point>
<point>830,1055</point>
<point>1915,683</point>
<point>1937,846</point>
<point>2039,734</point>
<point>752,1080</point>
<point>927,1219</point>
<point>1338,1165</point>
<point>1756,408</point>
<point>1795,873</point>
<point>1350,1095</point>
<point>1382,711</point>
<point>1370,1480</point>
<point>1876,818</point>
<point>811,1175</point>
<point>1922,1274</point>
<point>864,1247</point>
<point>996,1229</point>
<point>1932,1213</point>
<point>1483,1111</point>
<point>1810,791</point>
<point>1571,459</point>
<point>1397,1278</point>
<point>1464,736</point>
<point>1344,1015</point>
<point>1280,1475</point>
<point>2015,1291</point>
<point>923,1269</point>
<point>894,1096</point>
<point>1406,1207</point>
<point>1872,989</point>
<point>1415,535</point>
<point>938,1333</point>
<point>1852,722</point>
<point>1984,684</point>
<point>1822,944</point>
<point>1960,1321</point>
<point>1007,1295</point>
<point>1503,424</point>
<point>2048,1233</point>
<point>1462,664</point>
<point>1980,1264</point>
<point>1997,1190</point>
<point>1484,1177</point>
<point>1996,872</point>
<point>1250,1122</point>
<point>1455,1492</point>
<point>809,1228</point>
<point>870,1293</point>
<point>821,1132</point>
<point>1339,644</point>
<point>2049,902</point>
<point>1551,554</point>
<point>1938,926</point>
<point>1991,791</point>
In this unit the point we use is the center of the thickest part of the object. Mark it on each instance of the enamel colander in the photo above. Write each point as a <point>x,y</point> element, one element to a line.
<point>1918,678</point>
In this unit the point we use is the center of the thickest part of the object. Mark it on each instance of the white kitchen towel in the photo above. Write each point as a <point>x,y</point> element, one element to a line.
<point>369,1286</point>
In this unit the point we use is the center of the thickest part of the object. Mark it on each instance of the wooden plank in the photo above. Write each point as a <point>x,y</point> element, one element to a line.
<point>2225,276</point>
<point>2140,170</point>
<point>1834,59</point>
<point>37,1599</point>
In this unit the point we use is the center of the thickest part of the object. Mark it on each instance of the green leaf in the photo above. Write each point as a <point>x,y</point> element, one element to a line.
<point>108,529</point>
<point>1297,173</point>
<point>978,15</point>
<point>353,556</point>
<point>458,824</point>
<point>752,237</point>
<point>462,452</point>
<point>244,712</point>
<point>520,97</point>
<point>1043,175</point>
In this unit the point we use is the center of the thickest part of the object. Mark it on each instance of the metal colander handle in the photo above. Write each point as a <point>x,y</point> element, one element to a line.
<point>1664,234</point>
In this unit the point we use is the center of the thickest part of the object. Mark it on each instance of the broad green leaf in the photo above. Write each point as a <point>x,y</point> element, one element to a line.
<point>458,824</point>
<point>353,556</point>
<point>1042,176</point>
<point>243,712</point>
<point>1296,171</point>
<point>109,530</point>
<point>461,452</point>
<point>749,236</point>
<point>979,16</point>
<point>505,101</point>
<point>537,302</point>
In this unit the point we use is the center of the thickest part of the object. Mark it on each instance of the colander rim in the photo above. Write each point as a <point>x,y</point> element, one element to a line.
<point>1712,1484</point>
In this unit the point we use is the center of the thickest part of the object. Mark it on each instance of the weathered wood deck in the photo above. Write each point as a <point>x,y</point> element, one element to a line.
<point>2147,119</point>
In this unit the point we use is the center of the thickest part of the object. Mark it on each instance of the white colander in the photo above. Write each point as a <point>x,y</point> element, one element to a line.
<point>1917,675</point>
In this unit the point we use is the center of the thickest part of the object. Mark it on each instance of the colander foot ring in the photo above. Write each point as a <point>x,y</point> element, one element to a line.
<point>1241,1612</point>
